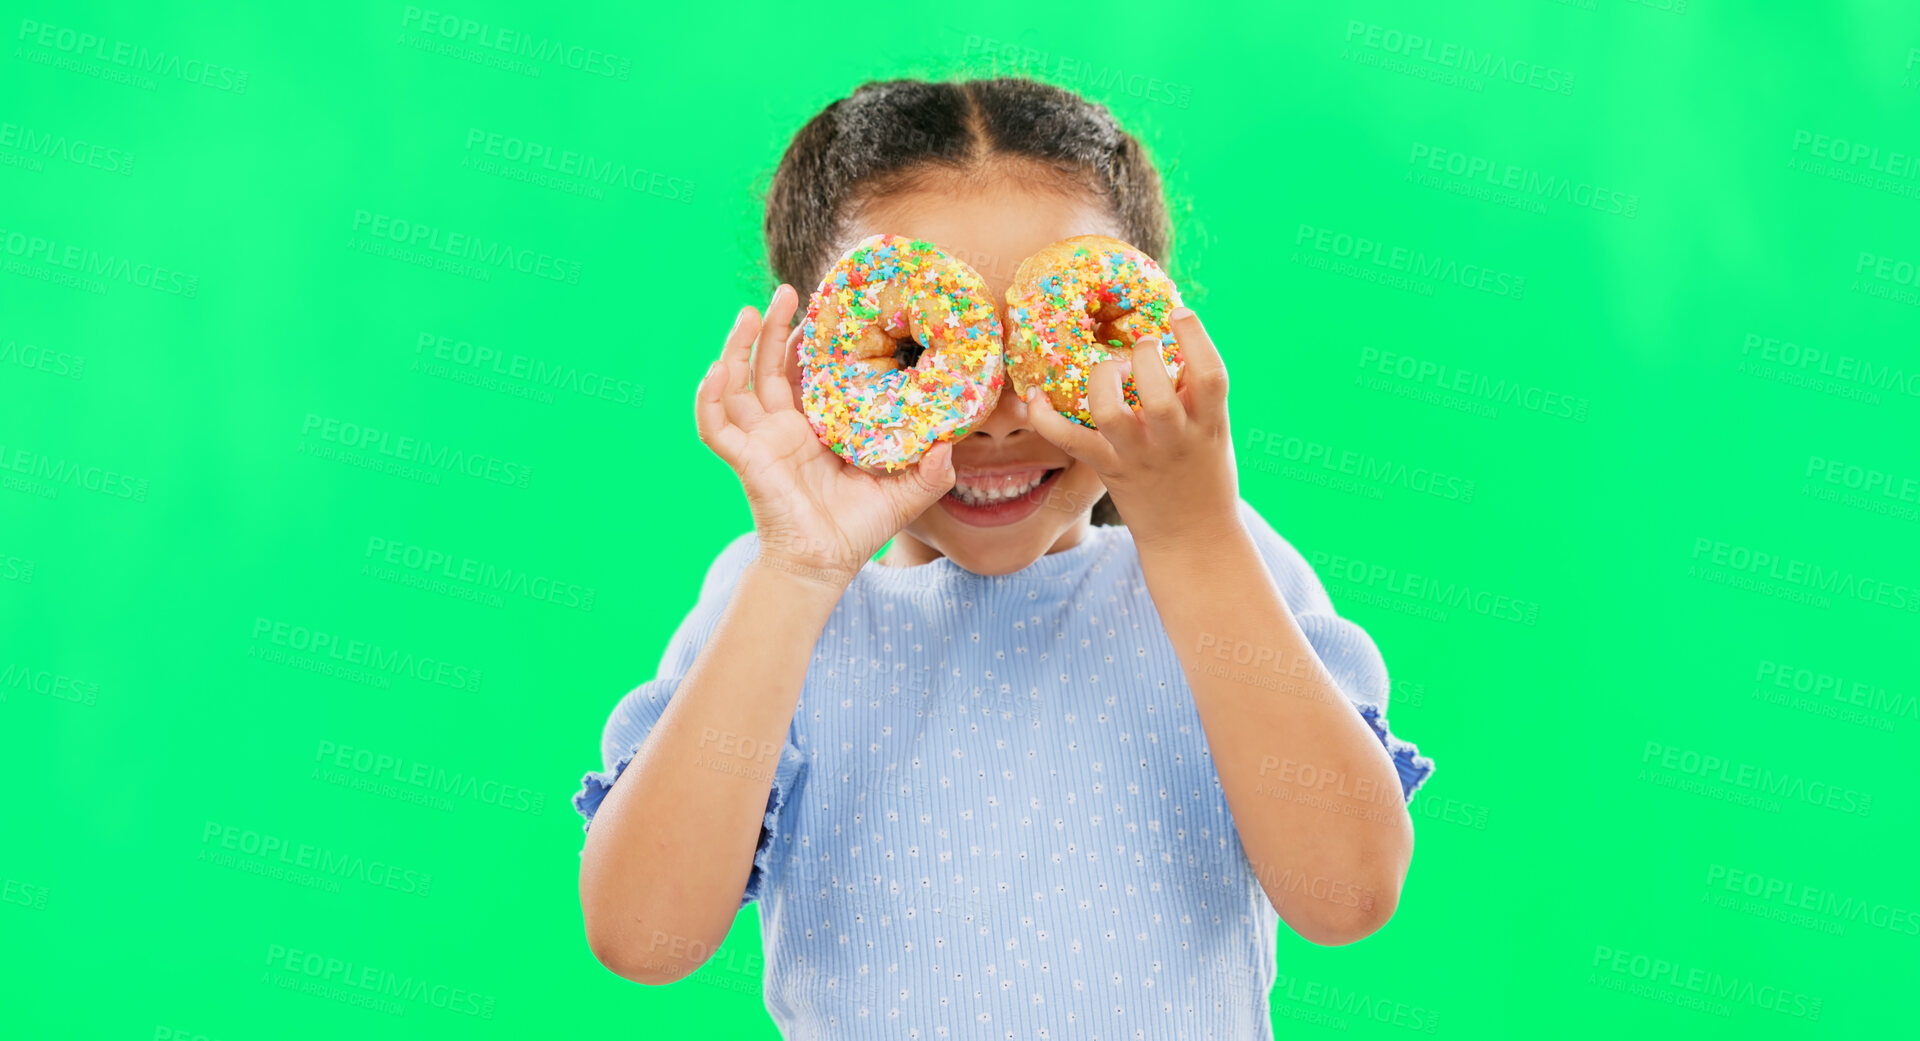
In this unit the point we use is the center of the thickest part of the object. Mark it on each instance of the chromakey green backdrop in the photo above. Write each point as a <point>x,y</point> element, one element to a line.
<point>1576,342</point>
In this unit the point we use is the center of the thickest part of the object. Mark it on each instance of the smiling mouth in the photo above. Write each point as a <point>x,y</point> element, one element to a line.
<point>985,490</point>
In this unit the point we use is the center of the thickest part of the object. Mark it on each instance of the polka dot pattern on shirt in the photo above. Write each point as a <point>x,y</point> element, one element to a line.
<point>996,815</point>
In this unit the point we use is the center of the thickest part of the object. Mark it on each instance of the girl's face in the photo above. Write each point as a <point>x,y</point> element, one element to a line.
<point>982,525</point>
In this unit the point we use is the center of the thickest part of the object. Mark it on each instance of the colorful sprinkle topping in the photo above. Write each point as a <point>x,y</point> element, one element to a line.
<point>1087,300</point>
<point>860,400</point>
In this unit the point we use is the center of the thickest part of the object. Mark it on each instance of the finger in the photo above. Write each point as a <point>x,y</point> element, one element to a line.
<point>793,371</point>
<point>1204,377</point>
<point>911,490</point>
<point>738,351</point>
<point>918,486</point>
<point>934,472</point>
<point>1107,403</point>
<point>1160,405</point>
<point>1089,446</point>
<point>717,432</point>
<point>737,355</point>
<point>769,357</point>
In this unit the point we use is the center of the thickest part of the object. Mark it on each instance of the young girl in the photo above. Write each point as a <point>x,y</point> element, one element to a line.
<point>1056,764</point>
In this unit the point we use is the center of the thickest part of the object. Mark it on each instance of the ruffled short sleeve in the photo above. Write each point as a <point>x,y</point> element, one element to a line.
<point>633,718</point>
<point>1346,650</point>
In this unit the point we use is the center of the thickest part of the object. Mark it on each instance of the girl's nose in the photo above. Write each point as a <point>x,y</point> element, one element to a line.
<point>1008,419</point>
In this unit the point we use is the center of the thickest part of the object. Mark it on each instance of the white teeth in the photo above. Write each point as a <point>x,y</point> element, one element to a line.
<point>985,491</point>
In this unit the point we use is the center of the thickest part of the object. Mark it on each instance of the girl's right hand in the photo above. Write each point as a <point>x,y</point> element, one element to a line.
<point>814,512</point>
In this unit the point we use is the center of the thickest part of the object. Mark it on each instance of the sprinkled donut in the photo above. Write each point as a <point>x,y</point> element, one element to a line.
<point>900,348</point>
<point>1082,301</point>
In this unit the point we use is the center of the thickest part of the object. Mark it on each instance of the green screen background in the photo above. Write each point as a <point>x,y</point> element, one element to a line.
<point>1691,360</point>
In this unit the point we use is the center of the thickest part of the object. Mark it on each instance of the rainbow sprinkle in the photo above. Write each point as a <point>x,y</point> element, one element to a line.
<point>1079,302</point>
<point>860,401</point>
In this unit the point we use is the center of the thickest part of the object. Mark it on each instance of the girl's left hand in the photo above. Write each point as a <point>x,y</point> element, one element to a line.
<point>1169,466</point>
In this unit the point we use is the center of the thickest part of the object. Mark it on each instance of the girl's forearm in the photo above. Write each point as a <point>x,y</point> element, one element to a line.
<point>1315,797</point>
<point>671,847</point>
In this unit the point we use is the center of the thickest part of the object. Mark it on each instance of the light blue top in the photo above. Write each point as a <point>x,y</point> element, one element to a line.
<point>995,815</point>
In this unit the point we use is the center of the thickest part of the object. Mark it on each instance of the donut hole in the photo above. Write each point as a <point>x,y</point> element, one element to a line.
<point>908,351</point>
<point>1113,336</point>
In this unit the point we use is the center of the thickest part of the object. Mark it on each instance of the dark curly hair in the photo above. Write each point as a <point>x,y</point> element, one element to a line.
<point>885,135</point>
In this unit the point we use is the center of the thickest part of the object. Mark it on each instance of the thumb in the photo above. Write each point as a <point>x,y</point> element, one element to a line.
<point>931,477</point>
<point>935,469</point>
